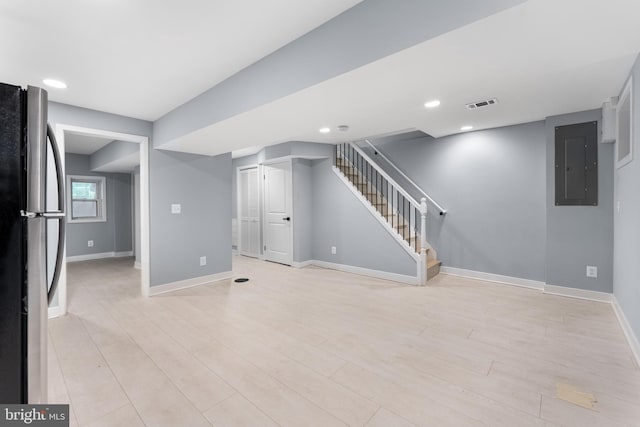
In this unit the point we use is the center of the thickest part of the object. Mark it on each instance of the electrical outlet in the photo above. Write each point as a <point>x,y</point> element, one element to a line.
<point>203,261</point>
<point>90,243</point>
<point>592,271</point>
<point>333,250</point>
<point>176,208</point>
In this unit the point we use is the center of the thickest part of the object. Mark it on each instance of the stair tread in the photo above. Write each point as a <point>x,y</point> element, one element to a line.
<point>432,262</point>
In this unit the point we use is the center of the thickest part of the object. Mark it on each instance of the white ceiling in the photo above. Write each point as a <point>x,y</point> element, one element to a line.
<point>542,58</point>
<point>143,58</point>
<point>139,59</point>
<point>83,144</point>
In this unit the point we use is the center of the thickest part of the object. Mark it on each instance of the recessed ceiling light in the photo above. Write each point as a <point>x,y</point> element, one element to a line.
<point>55,83</point>
<point>432,104</point>
<point>464,128</point>
<point>324,130</point>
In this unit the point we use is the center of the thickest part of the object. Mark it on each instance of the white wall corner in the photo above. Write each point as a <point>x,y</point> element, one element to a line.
<point>577,293</point>
<point>494,278</point>
<point>189,283</point>
<point>634,343</point>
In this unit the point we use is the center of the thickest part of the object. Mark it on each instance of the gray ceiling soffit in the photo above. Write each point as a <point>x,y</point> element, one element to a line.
<point>365,33</point>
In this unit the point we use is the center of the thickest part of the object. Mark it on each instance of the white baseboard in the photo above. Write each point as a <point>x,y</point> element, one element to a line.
<point>137,265</point>
<point>55,312</point>
<point>302,264</point>
<point>577,293</point>
<point>409,280</point>
<point>626,327</point>
<point>234,251</point>
<point>101,255</point>
<point>189,283</point>
<point>495,278</point>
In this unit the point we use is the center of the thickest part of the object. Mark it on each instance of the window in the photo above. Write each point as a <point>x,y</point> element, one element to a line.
<point>86,199</point>
<point>624,139</point>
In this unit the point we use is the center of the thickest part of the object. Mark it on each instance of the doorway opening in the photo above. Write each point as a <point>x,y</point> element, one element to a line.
<point>107,206</point>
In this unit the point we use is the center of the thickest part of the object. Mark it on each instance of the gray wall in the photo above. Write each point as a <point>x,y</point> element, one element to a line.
<point>626,285</point>
<point>341,220</point>
<point>360,35</point>
<point>77,116</point>
<point>578,236</point>
<point>202,185</point>
<point>302,210</point>
<point>492,184</point>
<point>114,235</point>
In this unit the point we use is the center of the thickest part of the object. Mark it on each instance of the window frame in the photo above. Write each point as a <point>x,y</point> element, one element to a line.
<point>627,93</point>
<point>101,200</point>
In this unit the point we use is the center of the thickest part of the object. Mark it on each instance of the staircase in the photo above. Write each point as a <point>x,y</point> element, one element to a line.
<point>405,216</point>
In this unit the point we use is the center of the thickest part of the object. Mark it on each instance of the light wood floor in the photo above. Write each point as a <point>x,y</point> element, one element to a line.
<point>314,347</point>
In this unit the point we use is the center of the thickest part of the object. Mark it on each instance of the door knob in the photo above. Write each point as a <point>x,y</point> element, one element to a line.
<point>287,218</point>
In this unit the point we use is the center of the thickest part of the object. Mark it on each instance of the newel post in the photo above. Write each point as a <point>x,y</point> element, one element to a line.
<point>423,241</point>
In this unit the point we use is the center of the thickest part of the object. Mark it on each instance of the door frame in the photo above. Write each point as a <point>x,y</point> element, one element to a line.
<point>60,130</point>
<point>264,210</point>
<point>239,169</point>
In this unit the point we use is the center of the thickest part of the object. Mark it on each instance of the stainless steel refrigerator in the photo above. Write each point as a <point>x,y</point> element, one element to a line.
<point>27,150</point>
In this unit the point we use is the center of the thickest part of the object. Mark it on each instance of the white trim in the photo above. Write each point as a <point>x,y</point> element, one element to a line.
<point>234,252</point>
<point>376,214</point>
<point>137,265</point>
<point>394,277</point>
<point>55,311</point>
<point>626,327</point>
<point>188,283</point>
<point>101,255</point>
<point>577,293</point>
<point>302,264</point>
<point>494,278</point>
<point>627,92</point>
<point>144,202</point>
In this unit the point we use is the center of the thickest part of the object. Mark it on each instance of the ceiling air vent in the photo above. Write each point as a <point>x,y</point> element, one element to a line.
<point>480,104</point>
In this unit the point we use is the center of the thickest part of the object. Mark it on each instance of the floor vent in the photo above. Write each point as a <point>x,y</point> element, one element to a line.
<point>479,104</point>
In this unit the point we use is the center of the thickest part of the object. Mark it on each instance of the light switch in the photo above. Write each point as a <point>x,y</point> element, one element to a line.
<point>176,209</point>
<point>592,271</point>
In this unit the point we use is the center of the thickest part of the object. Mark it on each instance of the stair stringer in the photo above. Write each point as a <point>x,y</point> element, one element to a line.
<point>403,243</point>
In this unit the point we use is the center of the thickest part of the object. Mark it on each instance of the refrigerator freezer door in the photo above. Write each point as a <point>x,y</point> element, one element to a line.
<point>36,148</point>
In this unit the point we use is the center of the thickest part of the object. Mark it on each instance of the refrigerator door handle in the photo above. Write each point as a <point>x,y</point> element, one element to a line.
<point>58,215</point>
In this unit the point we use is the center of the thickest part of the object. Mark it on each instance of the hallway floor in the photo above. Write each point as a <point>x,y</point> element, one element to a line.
<point>315,347</point>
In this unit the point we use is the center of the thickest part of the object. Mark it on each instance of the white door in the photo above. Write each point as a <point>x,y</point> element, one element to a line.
<point>278,232</point>
<point>249,212</point>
